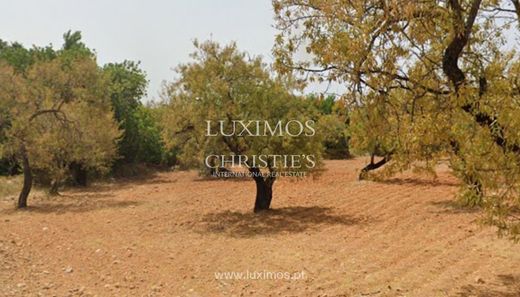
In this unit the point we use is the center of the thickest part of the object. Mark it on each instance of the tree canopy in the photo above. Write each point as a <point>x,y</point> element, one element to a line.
<point>221,106</point>
<point>127,87</point>
<point>424,81</point>
<point>49,105</point>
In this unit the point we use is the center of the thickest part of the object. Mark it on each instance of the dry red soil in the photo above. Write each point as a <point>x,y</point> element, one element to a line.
<point>170,234</point>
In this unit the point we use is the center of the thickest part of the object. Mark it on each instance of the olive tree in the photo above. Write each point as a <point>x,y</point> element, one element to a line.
<point>425,80</point>
<point>228,108</point>
<point>59,113</point>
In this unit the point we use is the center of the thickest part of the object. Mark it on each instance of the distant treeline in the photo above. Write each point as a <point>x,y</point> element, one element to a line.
<point>64,118</point>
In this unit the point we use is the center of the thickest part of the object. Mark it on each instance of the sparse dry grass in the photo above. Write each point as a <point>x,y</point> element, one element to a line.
<point>9,186</point>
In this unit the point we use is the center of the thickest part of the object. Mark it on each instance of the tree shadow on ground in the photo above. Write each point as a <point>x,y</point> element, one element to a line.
<point>419,182</point>
<point>274,221</point>
<point>508,286</point>
<point>452,206</point>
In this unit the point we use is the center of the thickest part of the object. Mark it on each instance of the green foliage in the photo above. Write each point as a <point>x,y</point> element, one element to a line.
<point>72,41</point>
<point>16,55</point>
<point>21,58</point>
<point>124,84</point>
<point>151,146</point>
<point>51,112</point>
<point>141,140</point>
<point>333,125</point>
<point>222,85</point>
<point>325,105</point>
<point>335,136</point>
<point>74,47</point>
<point>49,101</point>
<point>425,81</point>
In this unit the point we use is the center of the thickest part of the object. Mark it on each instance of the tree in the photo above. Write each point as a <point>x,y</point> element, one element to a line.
<point>151,145</point>
<point>127,86</point>
<point>51,106</point>
<point>20,58</point>
<point>142,140</point>
<point>16,55</point>
<point>333,126</point>
<point>218,112</point>
<point>425,80</point>
<point>6,166</point>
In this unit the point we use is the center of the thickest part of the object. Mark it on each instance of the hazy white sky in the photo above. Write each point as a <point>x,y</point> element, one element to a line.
<point>159,33</point>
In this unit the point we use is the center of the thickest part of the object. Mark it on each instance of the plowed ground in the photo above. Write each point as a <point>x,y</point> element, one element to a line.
<point>169,235</point>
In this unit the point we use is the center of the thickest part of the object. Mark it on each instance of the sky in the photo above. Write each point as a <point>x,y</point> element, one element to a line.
<point>159,33</point>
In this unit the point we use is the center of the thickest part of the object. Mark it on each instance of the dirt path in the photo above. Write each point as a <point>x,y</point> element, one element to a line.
<point>171,235</point>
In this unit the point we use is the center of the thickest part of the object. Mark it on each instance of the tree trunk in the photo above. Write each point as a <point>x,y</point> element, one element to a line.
<point>27,179</point>
<point>264,190</point>
<point>477,193</point>
<point>264,195</point>
<point>55,186</point>
<point>372,166</point>
<point>79,175</point>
